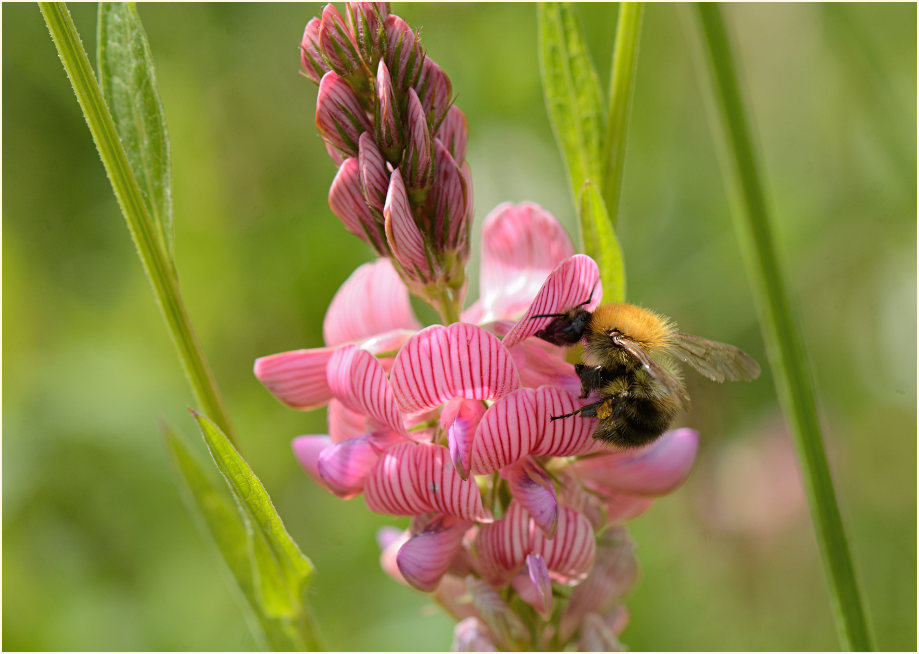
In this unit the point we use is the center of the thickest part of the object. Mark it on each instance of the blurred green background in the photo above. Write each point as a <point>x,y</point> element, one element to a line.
<point>99,551</point>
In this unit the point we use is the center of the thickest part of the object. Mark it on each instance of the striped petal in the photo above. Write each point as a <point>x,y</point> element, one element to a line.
<point>506,431</point>
<point>521,245</point>
<point>495,612</point>
<point>503,545</point>
<point>297,378</point>
<point>440,363</point>
<point>307,450</point>
<point>345,423</point>
<point>459,419</point>
<point>405,239</point>
<point>570,554</point>
<point>472,635</point>
<point>427,555</point>
<point>358,380</point>
<point>392,485</point>
<point>597,636</point>
<point>572,282</point>
<point>532,487</point>
<point>345,466</point>
<point>346,200</point>
<point>544,364</point>
<point>565,437</point>
<point>655,469</point>
<point>373,300</point>
<point>534,586</point>
<point>444,489</point>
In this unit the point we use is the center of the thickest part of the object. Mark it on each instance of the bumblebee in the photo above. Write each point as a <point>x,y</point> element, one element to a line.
<point>628,362</point>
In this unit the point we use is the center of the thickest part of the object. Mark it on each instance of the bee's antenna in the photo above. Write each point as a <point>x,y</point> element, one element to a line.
<point>584,304</point>
<point>550,315</point>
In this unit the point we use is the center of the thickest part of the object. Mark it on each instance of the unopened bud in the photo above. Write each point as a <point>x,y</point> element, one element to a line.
<point>339,116</point>
<point>404,55</point>
<point>374,174</point>
<point>435,91</point>
<point>337,42</point>
<point>448,202</point>
<point>387,125</point>
<point>453,133</point>
<point>366,21</point>
<point>405,239</point>
<point>311,60</point>
<point>418,163</point>
<point>347,202</point>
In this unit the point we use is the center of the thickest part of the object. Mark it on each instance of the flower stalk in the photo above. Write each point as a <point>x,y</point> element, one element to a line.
<point>785,347</point>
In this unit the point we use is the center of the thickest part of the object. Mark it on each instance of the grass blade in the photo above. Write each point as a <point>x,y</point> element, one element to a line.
<point>601,244</point>
<point>783,340</point>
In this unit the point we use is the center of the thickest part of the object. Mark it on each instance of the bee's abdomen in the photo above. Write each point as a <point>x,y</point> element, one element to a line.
<point>636,421</point>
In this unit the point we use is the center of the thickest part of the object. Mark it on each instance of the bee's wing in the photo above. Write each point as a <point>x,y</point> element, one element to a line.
<point>717,361</point>
<point>653,368</point>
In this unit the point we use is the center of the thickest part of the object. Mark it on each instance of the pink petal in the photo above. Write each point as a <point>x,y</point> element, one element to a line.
<point>442,486</point>
<point>499,617</point>
<point>655,469</point>
<point>534,586</point>
<point>520,247</point>
<point>392,485</point>
<point>391,541</point>
<point>439,363</point>
<point>345,466</point>
<point>372,300</point>
<point>307,450</point>
<point>621,507</point>
<point>472,635</point>
<point>297,378</point>
<point>573,281</point>
<point>427,555</point>
<point>532,487</point>
<point>345,423</point>
<point>359,381</point>
<point>505,432</point>
<point>570,555</point>
<point>597,636</point>
<point>564,437</point>
<point>459,419</point>
<point>503,545</point>
<point>544,364</point>
<point>346,200</point>
<point>454,132</point>
<point>406,241</point>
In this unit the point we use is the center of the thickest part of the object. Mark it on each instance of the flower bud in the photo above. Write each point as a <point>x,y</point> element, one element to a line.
<point>406,241</point>
<point>339,115</point>
<point>404,55</point>
<point>418,163</point>
<point>347,202</point>
<point>453,133</point>
<point>311,60</point>
<point>448,203</point>
<point>337,42</point>
<point>374,175</point>
<point>387,125</point>
<point>435,91</point>
<point>366,22</point>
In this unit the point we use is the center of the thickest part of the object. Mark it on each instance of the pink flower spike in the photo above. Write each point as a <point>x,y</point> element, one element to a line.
<point>440,363</point>
<point>472,635</point>
<point>311,60</point>
<point>366,22</point>
<point>404,55</point>
<point>337,42</point>
<point>406,241</point>
<point>534,586</point>
<point>297,378</point>
<point>339,116</point>
<point>655,469</point>
<point>532,487</point>
<point>459,419</point>
<point>435,92</point>
<point>574,281</point>
<point>344,466</point>
<point>570,555</point>
<point>453,133</point>
<point>307,450</point>
<point>427,555</point>
<point>373,300</point>
<point>521,245</point>
<point>357,379</point>
<point>505,433</point>
<point>346,199</point>
<point>565,437</point>
<point>374,174</point>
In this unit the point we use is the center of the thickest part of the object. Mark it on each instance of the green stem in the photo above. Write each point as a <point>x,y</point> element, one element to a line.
<point>621,89</point>
<point>153,256</point>
<point>783,341</point>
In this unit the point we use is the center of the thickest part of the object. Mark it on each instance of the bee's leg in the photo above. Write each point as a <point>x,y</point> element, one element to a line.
<point>602,409</point>
<point>591,377</point>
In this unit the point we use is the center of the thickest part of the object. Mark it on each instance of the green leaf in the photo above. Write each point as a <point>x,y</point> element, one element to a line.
<point>129,88</point>
<point>600,243</point>
<point>572,91</point>
<point>217,515</point>
<point>282,571</point>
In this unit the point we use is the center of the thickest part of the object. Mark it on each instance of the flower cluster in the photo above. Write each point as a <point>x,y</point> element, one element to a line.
<point>515,519</point>
<point>386,115</point>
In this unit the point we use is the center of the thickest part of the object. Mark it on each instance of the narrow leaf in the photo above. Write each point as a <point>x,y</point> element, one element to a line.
<point>572,91</point>
<point>283,572</point>
<point>129,88</point>
<point>601,244</point>
<point>215,514</point>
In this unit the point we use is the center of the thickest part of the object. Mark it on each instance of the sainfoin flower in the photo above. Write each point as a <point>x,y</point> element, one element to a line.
<point>450,425</point>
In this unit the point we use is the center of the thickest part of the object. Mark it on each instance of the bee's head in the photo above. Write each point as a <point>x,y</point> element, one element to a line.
<point>642,326</point>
